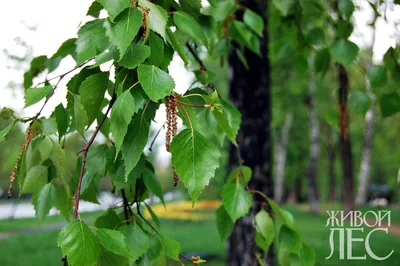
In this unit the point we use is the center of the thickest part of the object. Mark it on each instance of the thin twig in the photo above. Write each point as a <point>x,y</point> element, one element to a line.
<point>85,151</point>
<point>196,57</point>
<point>155,137</point>
<point>126,205</point>
<point>195,105</point>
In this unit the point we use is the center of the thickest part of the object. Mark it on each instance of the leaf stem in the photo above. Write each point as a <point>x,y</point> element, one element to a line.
<point>187,115</point>
<point>195,105</point>
<point>155,137</point>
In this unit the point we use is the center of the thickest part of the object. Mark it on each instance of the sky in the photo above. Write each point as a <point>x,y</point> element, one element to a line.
<point>57,21</point>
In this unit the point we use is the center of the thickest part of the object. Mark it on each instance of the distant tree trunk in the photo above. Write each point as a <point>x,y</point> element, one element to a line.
<point>331,166</point>
<point>281,158</point>
<point>344,142</point>
<point>365,167</point>
<point>366,159</point>
<point>314,145</point>
<point>250,91</point>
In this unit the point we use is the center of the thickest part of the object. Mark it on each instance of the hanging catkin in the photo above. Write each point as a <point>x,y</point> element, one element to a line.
<point>172,129</point>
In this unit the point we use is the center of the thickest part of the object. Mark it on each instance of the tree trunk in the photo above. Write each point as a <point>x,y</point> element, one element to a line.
<point>366,159</point>
<point>331,166</point>
<point>281,158</point>
<point>365,167</point>
<point>344,142</point>
<point>250,91</point>
<point>314,145</point>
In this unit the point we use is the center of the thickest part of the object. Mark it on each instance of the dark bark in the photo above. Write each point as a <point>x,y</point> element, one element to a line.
<point>250,92</point>
<point>344,142</point>
<point>331,166</point>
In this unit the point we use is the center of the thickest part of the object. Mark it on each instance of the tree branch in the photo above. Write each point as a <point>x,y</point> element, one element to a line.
<point>85,151</point>
<point>196,57</point>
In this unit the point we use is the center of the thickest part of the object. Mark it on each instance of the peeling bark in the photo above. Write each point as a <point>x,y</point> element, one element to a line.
<point>281,158</point>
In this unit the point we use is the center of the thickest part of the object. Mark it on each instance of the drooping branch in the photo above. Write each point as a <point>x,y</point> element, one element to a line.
<point>85,151</point>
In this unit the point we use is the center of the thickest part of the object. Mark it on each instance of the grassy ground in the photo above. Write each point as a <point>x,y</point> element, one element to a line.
<point>195,237</point>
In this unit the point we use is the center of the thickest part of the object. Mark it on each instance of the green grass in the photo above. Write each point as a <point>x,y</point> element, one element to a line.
<point>23,223</point>
<point>197,237</point>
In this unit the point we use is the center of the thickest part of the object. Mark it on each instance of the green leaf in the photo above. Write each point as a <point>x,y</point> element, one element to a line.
<point>188,25</point>
<point>222,9</point>
<point>322,61</point>
<point>43,201</point>
<point>125,28</point>
<point>191,6</point>
<point>360,101</point>
<point>308,255</point>
<point>114,7</point>
<point>135,141</point>
<point>121,116</point>
<point>35,179</point>
<point>171,248</point>
<point>80,116</point>
<point>109,220</point>
<point>284,6</point>
<point>62,120</point>
<point>67,48</point>
<point>223,122</point>
<point>113,241</point>
<point>390,104</point>
<point>346,8</point>
<point>35,95</point>
<point>136,240</point>
<point>254,21</point>
<point>157,49</point>
<point>224,223</point>
<point>91,40</point>
<point>110,53</point>
<point>58,158</point>
<point>237,200</point>
<point>289,240</point>
<point>300,65</point>
<point>108,258</point>
<point>63,202</point>
<point>38,65</point>
<point>344,52</point>
<point>94,9</point>
<point>155,82</point>
<point>6,130</point>
<point>96,159</point>
<point>377,76</point>
<point>344,28</point>
<point>281,215</point>
<point>237,174</point>
<point>265,226</point>
<point>151,181</point>
<point>135,55</point>
<point>195,159</point>
<point>316,36</point>
<point>92,92</point>
<point>178,47</point>
<point>153,215</point>
<point>79,244</point>
<point>157,17</point>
